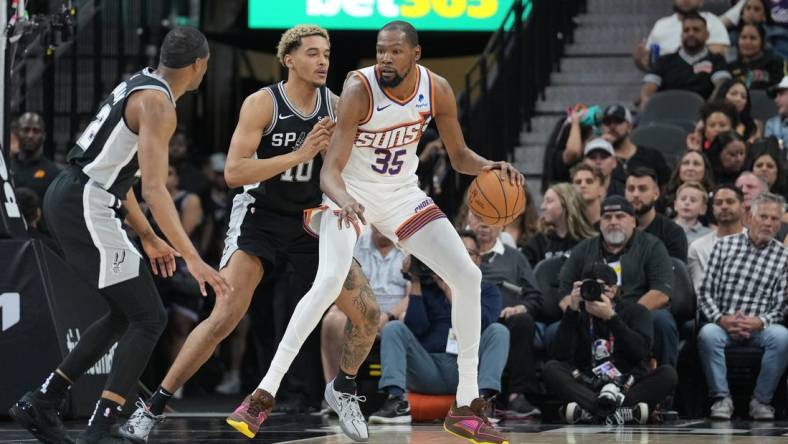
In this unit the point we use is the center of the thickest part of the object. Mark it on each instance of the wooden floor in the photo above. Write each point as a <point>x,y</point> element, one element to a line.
<point>318,430</point>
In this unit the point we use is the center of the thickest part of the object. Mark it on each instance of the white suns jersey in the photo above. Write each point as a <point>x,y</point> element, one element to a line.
<point>384,151</point>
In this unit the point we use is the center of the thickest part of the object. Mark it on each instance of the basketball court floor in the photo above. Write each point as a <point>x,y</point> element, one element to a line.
<point>305,429</point>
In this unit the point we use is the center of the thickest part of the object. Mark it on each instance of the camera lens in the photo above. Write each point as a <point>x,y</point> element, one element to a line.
<point>591,290</point>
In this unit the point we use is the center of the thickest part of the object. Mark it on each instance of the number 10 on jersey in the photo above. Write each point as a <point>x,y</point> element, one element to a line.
<point>299,173</point>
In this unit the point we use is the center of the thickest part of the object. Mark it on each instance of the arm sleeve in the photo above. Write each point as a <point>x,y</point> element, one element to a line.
<point>491,304</point>
<point>571,270</point>
<point>733,14</point>
<point>677,246</point>
<point>566,339</point>
<point>655,75</point>
<point>633,332</point>
<point>778,296</point>
<point>531,297</point>
<point>707,290</point>
<point>659,270</point>
<point>532,250</point>
<point>720,69</point>
<point>694,265</point>
<point>416,317</point>
<point>718,35</point>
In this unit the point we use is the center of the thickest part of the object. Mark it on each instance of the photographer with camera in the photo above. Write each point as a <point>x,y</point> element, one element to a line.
<point>634,271</point>
<point>420,353</point>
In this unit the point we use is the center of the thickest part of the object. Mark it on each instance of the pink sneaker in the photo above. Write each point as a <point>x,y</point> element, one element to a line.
<point>251,413</point>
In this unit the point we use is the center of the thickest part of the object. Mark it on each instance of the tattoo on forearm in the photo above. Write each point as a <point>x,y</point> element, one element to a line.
<point>350,280</point>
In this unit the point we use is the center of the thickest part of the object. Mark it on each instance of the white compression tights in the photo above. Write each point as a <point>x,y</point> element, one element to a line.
<point>439,247</point>
<point>336,255</point>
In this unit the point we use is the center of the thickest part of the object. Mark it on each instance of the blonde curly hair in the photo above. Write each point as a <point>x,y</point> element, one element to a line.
<point>291,39</point>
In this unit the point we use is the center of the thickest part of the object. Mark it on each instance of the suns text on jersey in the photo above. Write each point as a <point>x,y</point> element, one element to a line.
<point>388,138</point>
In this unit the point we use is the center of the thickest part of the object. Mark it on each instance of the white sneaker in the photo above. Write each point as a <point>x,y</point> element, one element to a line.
<point>722,408</point>
<point>140,424</point>
<point>637,414</point>
<point>351,420</point>
<point>230,385</point>
<point>761,411</point>
<point>574,414</point>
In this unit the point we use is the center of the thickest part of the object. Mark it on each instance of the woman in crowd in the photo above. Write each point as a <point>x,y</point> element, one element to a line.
<point>764,159</point>
<point>755,66</point>
<point>561,226</point>
<point>726,156</point>
<point>735,94</point>
<point>715,118</point>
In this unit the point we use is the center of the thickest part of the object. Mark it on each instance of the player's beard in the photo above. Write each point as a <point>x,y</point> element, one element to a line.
<point>394,81</point>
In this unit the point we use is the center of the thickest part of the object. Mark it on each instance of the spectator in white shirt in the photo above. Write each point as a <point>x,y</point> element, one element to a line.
<point>728,207</point>
<point>666,34</point>
<point>381,262</point>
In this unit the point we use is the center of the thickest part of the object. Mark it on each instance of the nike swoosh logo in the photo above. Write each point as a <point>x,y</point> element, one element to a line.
<point>285,117</point>
<point>381,108</point>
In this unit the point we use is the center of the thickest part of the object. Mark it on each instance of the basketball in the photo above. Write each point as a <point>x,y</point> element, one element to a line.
<point>495,200</point>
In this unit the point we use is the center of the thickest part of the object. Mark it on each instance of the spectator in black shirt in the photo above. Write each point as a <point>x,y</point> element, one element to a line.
<point>561,226</point>
<point>692,68</point>
<point>616,128</point>
<point>756,66</point>
<point>30,168</point>
<point>643,267</point>
<point>642,193</point>
<point>599,153</point>
<point>593,334</point>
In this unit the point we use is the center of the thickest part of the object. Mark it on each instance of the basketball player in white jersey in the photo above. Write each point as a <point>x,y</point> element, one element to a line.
<point>369,175</point>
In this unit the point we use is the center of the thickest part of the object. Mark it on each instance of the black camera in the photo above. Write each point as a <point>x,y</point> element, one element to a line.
<point>421,271</point>
<point>591,290</point>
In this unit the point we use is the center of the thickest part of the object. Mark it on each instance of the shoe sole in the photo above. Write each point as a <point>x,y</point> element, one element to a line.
<point>506,441</point>
<point>719,417</point>
<point>241,426</point>
<point>383,420</point>
<point>122,434</point>
<point>511,414</point>
<point>29,424</point>
<point>331,400</point>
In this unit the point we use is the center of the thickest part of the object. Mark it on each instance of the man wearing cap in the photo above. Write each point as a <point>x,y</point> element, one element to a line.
<point>777,126</point>
<point>599,154</point>
<point>641,261</point>
<point>616,129</point>
<point>693,68</point>
<point>635,273</point>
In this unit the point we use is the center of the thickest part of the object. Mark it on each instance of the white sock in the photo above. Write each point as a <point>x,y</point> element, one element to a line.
<point>336,255</point>
<point>439,246</point>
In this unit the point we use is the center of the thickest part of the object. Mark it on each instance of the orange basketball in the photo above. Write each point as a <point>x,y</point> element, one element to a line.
<point>494,200</point>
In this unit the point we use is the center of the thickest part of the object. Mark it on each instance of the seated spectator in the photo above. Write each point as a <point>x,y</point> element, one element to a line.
<point>561,226</point>
<point>588,182</point>
<point>643,267</point>
<point>693,166</point>
<point>715,118</point>
<point>642,193</point>
<point>747,12</point>
<point>693,68</point>
<point>522,302</point>
<point>755,65</point>
<point>777,126</point>
<point>420,352</point>
<point>728,204</point>
<point>776,19</point>
<point>752,186</point>
<point>743,297</point>
<point>666,35</point>
<point>735,94</point>
<point>182,155</point>
<point>617,129</point>
<point>606,333</point>
<point>690,205</point>
<point>382,264</point>
<point>764,159</point>
<point>584,123</point>
<point>436,177</point>
<point>726,155</point>
<point>599,154</point>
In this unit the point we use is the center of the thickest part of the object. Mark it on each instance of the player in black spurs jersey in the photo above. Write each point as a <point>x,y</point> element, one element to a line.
<point>275,154</point>
<point>130,133</point>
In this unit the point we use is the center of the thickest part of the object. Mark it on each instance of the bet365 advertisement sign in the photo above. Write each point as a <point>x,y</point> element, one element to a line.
<point>425,15</point>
